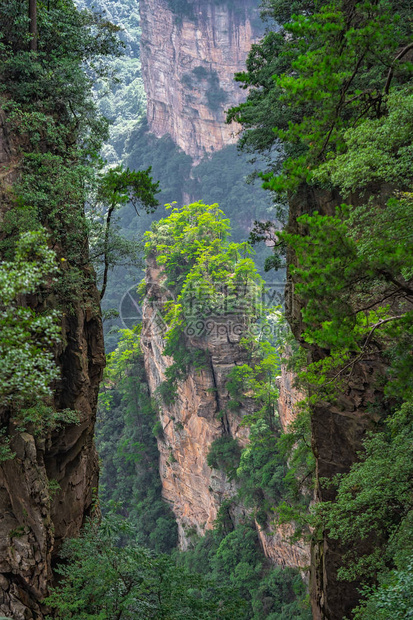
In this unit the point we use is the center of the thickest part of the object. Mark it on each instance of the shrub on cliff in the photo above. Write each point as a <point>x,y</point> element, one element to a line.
<point>224,453</point>
<point>374,503</point>
<point>125,427</point>
<point>233,556</point>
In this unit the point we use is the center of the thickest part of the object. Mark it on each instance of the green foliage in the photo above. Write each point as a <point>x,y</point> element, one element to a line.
<point>234,557</point>
<point>48,109</point>
<point>350,277</point>
<point>116,188</point>
<point>123,101</point>
<point>198,261</point>
<point>266,483</point>
<point>331,68</point>
<point>224,453</point>
<point>53,111</point>
<point>351,130</point>
<point>5,451</point>
<point>54,487</point>
<point>262,111</point>
<point>46,97</point>
<point>178,240</point>
<point>66,39</point>
<point>332,89</point>
<point>158,429</point>
<point>126,424</point>
<point>121,186</point>
<point>222,177</point>
<point>377,150</point>
<point>373,502</point>
<point>188,244</point>
<point>261,472</point>
<point>219,178</point>
<point>106,578</point>
<point>27,365</point>
<point>40,419</point>
<point>206,273</point>
<point>257,380</point>
<point>393,598</point>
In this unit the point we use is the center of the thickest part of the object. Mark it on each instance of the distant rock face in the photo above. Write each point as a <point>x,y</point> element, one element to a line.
<point>188,64</point>
<point>190,425</point>
<point>288,398</point>
<point>46,491</point>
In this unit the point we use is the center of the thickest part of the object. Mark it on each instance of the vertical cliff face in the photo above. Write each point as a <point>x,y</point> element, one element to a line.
<point>46,490</point>
<point>188,64</point>
<point>190,425</point>
<point>337,431</point>
<point>34,520</point>
<point>289,397</point>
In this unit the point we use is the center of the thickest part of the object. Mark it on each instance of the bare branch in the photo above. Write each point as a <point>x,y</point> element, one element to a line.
<point>391,70</point>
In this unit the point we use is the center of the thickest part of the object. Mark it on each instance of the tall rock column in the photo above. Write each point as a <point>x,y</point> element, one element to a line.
<point>188,63</point>
<point>47,489</point>
<point>337,430</point>
<point>196,418</point>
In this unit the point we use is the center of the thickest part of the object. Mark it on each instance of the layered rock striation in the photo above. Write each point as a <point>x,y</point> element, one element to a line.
<point>196,418</point>
<point>190,51</point>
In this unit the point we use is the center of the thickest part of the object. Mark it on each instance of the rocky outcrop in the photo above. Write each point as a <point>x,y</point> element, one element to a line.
<point>195,419</point>
<point>47,489</point>
<point>189,57</point>
<point>279,551</point>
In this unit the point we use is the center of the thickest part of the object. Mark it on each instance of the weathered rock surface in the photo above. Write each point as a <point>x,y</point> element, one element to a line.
<point>289,397</point>
<point>278,550</point>
<point>46,491</point>
<point>192,423</point>
<point>188,64</point>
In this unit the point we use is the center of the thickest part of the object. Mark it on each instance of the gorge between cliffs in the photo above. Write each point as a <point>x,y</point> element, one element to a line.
<point>206,310</point>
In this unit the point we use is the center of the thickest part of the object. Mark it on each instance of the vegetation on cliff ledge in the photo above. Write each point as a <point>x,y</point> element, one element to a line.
<point>207,277</point>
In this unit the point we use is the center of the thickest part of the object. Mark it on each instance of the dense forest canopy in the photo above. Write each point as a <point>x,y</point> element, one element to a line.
<point>55,133</point>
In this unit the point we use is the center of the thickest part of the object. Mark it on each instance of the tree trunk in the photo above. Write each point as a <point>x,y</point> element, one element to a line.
<point>33,24</point>
<point>106,252</point>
